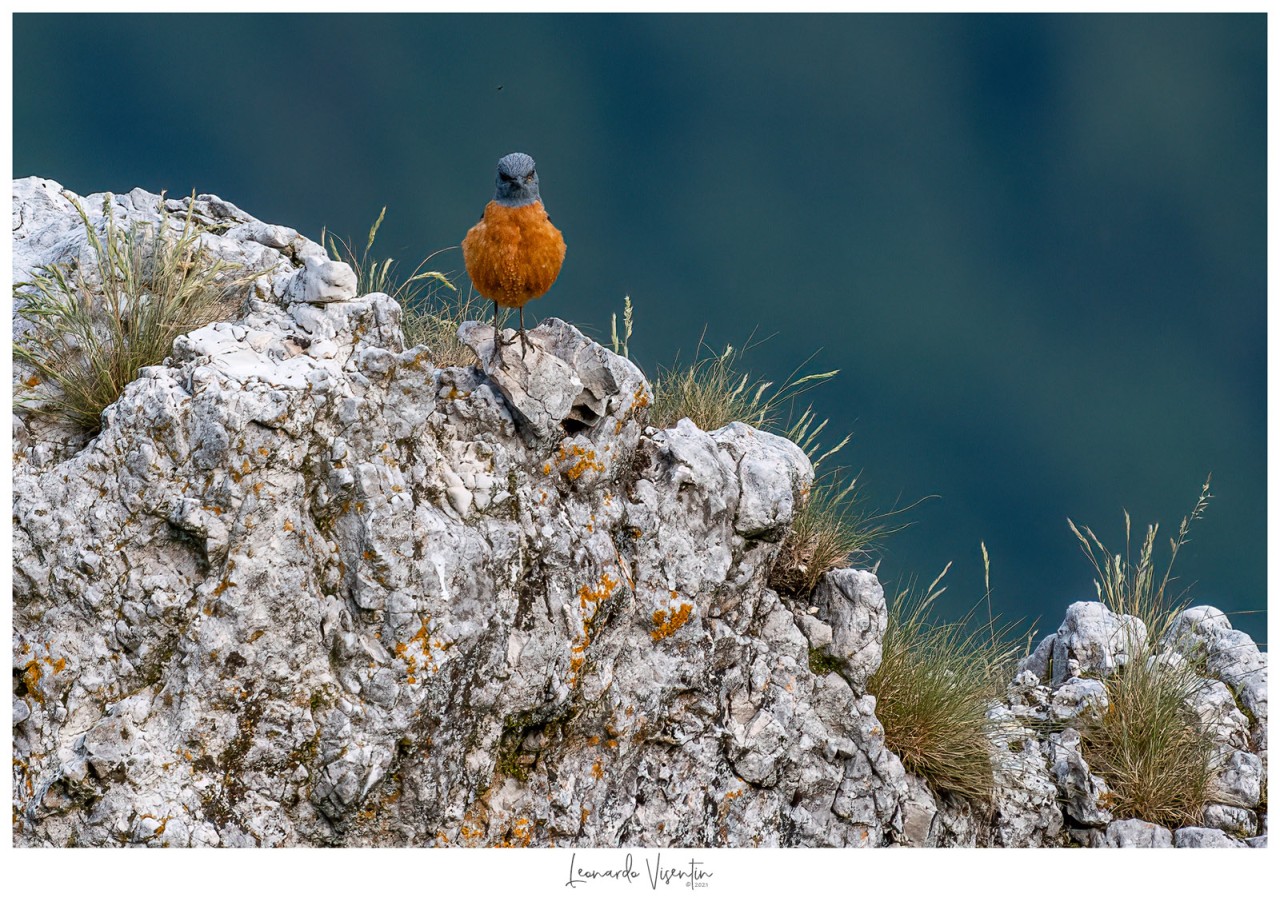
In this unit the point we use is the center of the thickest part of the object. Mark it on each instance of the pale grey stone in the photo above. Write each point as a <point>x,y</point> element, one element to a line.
<point>1239,781</point>
<point>1215,708</point>
<point>773,472</point>
<point>1078,699</point>
<point>1134,833</point>
<point>1204,837</point>
<point>321,280</point>
<point>1234,821</point>
<point>1040,662</point>
<point>1084,796</point>
<point>852,603</point>
<point>919,810</point>
<point>1097,639</point>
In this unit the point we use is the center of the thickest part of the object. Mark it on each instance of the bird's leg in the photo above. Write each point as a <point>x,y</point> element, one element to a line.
<point>524,341</point>
<point>497,339</point>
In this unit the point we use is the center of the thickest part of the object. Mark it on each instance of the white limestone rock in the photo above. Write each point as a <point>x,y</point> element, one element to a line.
<point>321,280</point>
<point>1238,781</point>
<point>851,603</point>
<point>1204,837</point>
<point>1096,638</point>
<point>1078,700</point>
<point>1204,634</point>
<point>1134,833</point>
<point>1084,795</point>
<point>1234,821</point>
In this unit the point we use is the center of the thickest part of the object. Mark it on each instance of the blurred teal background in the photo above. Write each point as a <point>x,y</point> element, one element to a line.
<point>1034,245</point>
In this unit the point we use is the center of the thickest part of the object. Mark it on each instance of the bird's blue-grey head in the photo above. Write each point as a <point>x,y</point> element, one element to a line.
<point>517,181</point>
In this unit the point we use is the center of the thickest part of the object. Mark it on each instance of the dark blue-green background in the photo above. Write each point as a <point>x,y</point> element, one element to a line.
<point>1034,245</point>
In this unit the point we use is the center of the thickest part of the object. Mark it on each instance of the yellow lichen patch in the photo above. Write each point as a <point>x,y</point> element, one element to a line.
<point>667,621</point>
<point>521,835</point>
<point>597,769</point>
<point>590,597</point>
<point>417,652</point>
<point>584,460</point>
<point>641,398</point>
<point>31,679</point>
<point>288,525</point>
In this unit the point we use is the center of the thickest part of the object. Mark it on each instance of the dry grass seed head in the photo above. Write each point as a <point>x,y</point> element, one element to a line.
<point>93,328</point>
<point>432,308</point>
<point>1149,746</point>
<point>934,687</point>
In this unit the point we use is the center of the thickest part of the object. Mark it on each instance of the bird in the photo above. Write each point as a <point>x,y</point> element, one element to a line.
<point>514,253</point>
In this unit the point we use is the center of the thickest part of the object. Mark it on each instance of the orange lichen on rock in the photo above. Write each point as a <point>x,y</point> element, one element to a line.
<point>521,835</point>
<point>590,597</point>
<point>667,621</point>
<point>420,644</point>
<point>584,461</point>
<point>31,679</point>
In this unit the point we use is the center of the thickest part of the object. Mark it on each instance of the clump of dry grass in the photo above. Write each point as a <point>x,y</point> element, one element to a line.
<point>433,319</point>
<point>711,393</point>
<point>934,687</point>
<point>829,531</point>
<point>1149,746</point>
<point>432,308</point>
<point>92,330</point>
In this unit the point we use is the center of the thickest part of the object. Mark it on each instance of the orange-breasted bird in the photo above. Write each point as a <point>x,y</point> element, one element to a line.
<point>514,254</point>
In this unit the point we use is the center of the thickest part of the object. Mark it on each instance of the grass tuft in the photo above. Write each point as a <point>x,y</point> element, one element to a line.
<point>934,687</point>
<point>711,393</point>
<point>432,308</point>
<point>1149,746</point>
<point>830,531</point>
<point>93,330</point>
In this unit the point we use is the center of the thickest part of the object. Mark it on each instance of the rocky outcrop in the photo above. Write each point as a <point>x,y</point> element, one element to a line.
<point>308,587</point>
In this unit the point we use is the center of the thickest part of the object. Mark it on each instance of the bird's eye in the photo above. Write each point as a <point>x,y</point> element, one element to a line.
<point>529,177</point>
<point>504,176</point>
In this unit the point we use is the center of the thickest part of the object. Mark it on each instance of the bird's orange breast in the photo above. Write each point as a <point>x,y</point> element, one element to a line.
<point>514,254</point>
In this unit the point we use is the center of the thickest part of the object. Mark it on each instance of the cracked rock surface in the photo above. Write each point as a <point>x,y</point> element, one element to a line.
<point>307,587</point>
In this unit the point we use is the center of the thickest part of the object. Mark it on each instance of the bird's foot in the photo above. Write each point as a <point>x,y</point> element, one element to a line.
<point>499,344</point>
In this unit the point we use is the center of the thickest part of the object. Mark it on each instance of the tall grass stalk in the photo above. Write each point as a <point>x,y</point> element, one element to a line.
<point>933,689</point>
<point>1149,745</point>
<point>432,308</point>
<point>712,392</point>
<point>93,329</point>
<point>831,530</point>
